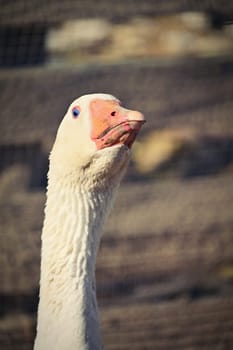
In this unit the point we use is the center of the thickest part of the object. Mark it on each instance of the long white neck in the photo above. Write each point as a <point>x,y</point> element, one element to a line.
<point>68,314</point>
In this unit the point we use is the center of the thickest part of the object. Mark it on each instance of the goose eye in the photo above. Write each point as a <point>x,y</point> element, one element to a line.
<point>113,113</point>
<point>75,112</point>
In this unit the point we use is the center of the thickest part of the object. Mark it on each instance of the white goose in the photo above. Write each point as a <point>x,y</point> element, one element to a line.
<point>88,159</point>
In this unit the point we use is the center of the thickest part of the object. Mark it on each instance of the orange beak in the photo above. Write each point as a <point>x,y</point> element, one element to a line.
<point>112,124</point>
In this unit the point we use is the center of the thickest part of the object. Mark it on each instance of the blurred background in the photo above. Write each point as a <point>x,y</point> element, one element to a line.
<point>165,265</point>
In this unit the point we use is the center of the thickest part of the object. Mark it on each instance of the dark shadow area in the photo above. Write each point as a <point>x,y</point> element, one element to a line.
<point>22,46</point>
<point>31,155</point>
<point>19,303</point>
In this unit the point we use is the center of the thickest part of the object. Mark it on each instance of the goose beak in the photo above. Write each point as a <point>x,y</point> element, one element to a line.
<point>123,133</point>
<point>113,124</point>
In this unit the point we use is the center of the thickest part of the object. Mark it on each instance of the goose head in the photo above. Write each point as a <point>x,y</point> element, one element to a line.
<point>95,136</point>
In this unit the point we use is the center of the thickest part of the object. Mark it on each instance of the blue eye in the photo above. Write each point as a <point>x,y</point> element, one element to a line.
<point>75,112</point>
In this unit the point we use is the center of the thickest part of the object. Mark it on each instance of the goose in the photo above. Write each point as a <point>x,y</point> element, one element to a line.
<point>88,159</point>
